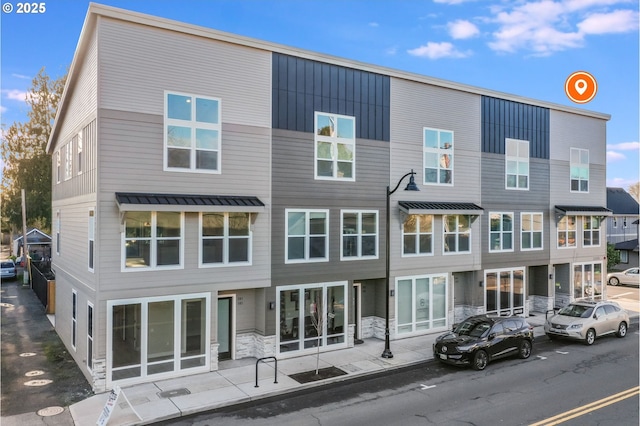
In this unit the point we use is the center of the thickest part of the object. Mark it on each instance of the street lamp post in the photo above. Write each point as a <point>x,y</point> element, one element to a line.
<point>411,186</point>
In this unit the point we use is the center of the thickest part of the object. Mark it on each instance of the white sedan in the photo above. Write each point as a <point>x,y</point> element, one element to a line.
<point>631,277</point>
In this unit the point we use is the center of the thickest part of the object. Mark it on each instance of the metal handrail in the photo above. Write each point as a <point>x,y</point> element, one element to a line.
<point>261,360</point>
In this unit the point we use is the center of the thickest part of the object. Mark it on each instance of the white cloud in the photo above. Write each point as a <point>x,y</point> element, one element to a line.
<point>617,182</point>
<point>462,29</point>
<point>434,50</point>
<point>625,146</point>
<point>374,24</point>
<point>619,21</point>
<point>391,50</point>
<point>452,1</point>
<point>22,76</point>
<point>3,109</point>
<point>16,95</point>
<point>615,156</point>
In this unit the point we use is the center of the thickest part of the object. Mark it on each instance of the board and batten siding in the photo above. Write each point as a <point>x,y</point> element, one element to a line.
<point>138,63</point>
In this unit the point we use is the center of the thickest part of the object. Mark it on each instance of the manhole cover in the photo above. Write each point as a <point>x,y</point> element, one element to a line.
<point>174,393</point>
<point>27,354</point>
<point>34,373</point>
<point>40,382</point>
<point>50,411</point>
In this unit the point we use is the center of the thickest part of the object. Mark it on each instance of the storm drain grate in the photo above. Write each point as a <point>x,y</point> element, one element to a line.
<point>173,393</point>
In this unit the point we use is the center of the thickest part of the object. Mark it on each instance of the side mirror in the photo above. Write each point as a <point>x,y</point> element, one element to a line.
<point>595,316</point>
<point>492,336</point>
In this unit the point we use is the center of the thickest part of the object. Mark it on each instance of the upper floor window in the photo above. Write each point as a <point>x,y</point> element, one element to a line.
<point>590,231</point>
<point>579,170</point>
<point>92,236</point>
<point>517,164</point>
<point>500,232</point>
<point>225,238</point>
<point>438,156</point>
<point>567,229</point>
<point>359,235</point>
<point>68,161</point>
<point>456,233</point>
<point>192,133</point>
<point>58,168</point>
<point>307,237</point>
<point>335,142</point>
<point>417,235</point>
<point>58,228</point>
<point>531,231</point>
<point>79,151</point>
<point>152,240</point>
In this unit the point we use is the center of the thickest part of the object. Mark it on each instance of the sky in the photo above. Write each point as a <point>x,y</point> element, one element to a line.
<point>522,47</point>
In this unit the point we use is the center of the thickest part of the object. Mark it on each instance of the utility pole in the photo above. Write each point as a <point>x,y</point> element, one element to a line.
<point>25,274</point>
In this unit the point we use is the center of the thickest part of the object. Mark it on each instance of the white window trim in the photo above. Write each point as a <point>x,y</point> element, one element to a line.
<point>306,236</point>
<point>153,248</point>
<point>413,279</point>
<point>585,220</point>
<point>225,238</point>
<point>577,231</point>
<point>580,164</point>
<point>439,152</point>
<point>502,233</point>
<point>518,160</point>
<point>79,151</point>
<point>192,124</point>
<point>58,167</point>
<point>68,161</point>
<point>514,310</point>
<point>334,150</point>
<point>90,333</point>
<point>522,231</point>
<point>91,236</point>
<point>58,231</point>
<point>444,234</point>
<point>74,319</point>
<point>359,235</point>
<point>418,234</point>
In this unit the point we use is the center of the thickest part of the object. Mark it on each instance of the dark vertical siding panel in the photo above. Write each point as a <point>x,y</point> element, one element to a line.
<point>333,81</point>
<point>300,110</point>
<point>291,110</point>
<point>325,89</point>
<point>308,113</point>
<point>309,78</point>
<point>282,109</point>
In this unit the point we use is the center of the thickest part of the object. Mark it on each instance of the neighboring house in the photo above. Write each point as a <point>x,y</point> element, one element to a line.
<point>37,242</point>
<point>214,202</point>
<point>622,226</point>
<point>629,256</point>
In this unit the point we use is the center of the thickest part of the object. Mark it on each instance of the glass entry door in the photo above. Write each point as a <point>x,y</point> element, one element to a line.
<point>504,291</point>
<point>224,328</point>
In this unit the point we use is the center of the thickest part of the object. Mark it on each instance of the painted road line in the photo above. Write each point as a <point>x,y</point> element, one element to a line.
<point>620,295</point>
<point>596,405</point>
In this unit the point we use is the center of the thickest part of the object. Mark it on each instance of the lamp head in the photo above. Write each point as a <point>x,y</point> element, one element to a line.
<point>411,186</point>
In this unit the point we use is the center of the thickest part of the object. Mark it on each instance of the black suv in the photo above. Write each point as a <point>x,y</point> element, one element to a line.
<point>482,338</point>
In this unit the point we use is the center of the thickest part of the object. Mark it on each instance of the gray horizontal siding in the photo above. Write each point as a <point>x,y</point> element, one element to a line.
<point>493,184</point>
<point>301,86</point>
<point>576,131</point>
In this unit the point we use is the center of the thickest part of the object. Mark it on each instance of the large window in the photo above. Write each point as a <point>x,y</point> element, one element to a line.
<point>312,316</point>
<point>517,164</point>
<point>456,234</point>
<point>79,150</point>
<point>438,156</point>
<point>225,239</point>
<point>579,170</point>
<point>307,238</point>
<point>335,141</point>
<point>68,161</point>
<point>90,336</point>
<point>531,231</point>
<point>567,232</point>
<point>504,291</point>
<point>417,235</point>
<point>157,336</point>
<point>192,133</point>
<point>587,280</point>
<point>500,232</point>
<point>421,303</point>
<point>74,318</point>
<point>591,231</point>
<point>91,232</point>
<point>359,235</point>
<point>152,240</point>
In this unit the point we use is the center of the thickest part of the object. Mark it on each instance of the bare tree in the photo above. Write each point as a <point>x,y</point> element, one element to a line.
<point>317,320</point>
<point>634,190</point>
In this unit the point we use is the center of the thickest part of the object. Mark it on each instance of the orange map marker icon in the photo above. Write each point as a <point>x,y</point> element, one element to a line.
<point>581,87</point>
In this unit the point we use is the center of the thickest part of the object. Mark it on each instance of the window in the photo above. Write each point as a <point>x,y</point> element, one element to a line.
<point>68,162</point>
<point>58,226</point>
<point>567,232</point>
<point>500,232</point>
<point>417,235</point>
<point>421,303</point>
<point>307,238</point>
<point>456,234</point>
<point>517,164</point>
<point>591,231</point>
<point>615,222</point>
<point>504,291</point>
<point>335,143</point>
<point>152,240</point>
<point>192,133</point>
<point>624,223</point>
<point>74,318</point>
<point>624,256</point>
<point>438,156</point>
<point>92,236</point>
<point>79,150</point>
<point>225,239</point>
<point>579,170</point>
<point>531,231</point>
<point>90,336</point>
<point>58,168</point>
<point>359,235</point>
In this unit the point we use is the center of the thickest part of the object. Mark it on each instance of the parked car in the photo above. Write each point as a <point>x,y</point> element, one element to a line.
<point>630,276</point>
<point>587,319</point>
<point>481,339</point>
<point>8,269</point>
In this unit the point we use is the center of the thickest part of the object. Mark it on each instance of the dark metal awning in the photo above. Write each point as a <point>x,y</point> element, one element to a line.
<point>583,211</point>
<point>129,201</point>
<point>435,207</point>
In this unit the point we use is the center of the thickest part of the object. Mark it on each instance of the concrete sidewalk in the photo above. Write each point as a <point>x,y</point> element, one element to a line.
<point>235,381</point>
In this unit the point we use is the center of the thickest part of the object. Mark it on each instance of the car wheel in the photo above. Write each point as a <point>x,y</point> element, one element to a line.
<point>480,360</point>
<point>590,336</point>
<point>614,281</point>
<point>525,349</point>
<point>622,330</point>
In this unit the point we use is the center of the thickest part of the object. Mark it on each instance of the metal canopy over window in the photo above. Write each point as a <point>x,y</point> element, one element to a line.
<point>440,208</point>
<point>188,203</point>
<point>597,211</point>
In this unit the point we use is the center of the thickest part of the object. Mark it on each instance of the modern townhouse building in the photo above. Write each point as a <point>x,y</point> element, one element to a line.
<point>622,227</point>
<point>221,197</point>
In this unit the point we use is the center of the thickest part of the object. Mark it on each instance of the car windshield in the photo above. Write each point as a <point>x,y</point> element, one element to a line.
<point>577,311</point>
<point>472,328</point>
<point>7,265</point>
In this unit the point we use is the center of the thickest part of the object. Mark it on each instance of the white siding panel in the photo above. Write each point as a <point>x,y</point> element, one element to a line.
<point>139,63</point>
